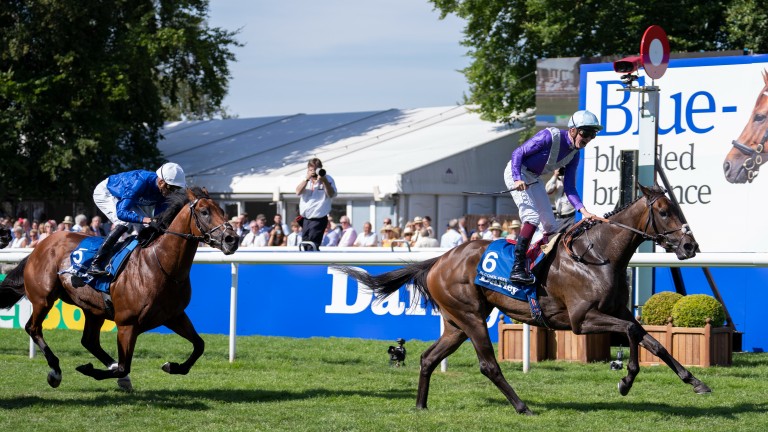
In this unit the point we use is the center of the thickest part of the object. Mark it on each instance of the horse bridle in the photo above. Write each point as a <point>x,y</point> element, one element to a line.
<point>662,239</point>
<point>205,237</point>
<point>754,158</point>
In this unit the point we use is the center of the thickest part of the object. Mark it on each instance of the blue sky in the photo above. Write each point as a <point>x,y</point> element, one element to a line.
<point>310,56</point>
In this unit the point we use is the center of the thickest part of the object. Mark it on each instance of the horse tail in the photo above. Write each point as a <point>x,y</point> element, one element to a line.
<point>12,287</point>
<point>387,283</point>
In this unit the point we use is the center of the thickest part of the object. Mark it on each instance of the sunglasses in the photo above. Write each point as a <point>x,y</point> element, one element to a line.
<point>587,133</point>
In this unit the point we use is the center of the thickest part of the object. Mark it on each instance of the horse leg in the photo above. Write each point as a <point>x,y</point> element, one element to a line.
<point>34,328</point>
<point>126,342</point>
<point>91,340</point>
<point>447,344</point>
<point>477,331</point>
<point>686,376</point>
<point>182,325</point>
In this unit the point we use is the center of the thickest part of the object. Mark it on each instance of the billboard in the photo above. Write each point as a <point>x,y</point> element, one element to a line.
<point>705,104</point>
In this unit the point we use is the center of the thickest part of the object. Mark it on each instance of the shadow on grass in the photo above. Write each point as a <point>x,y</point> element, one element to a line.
<point>729,411</point>
<point>193,400</point>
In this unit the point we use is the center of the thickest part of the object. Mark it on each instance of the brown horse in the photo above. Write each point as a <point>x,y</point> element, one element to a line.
<point>743,161</point>
<point>582,287</point>
<point>152,290</point>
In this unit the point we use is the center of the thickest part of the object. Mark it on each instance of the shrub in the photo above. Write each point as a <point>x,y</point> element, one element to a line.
<point>658,308</point>
<point>693,311</point>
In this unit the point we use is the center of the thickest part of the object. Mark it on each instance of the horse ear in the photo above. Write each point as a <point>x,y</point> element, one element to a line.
<point>646,191</point>
<point>205,191</point>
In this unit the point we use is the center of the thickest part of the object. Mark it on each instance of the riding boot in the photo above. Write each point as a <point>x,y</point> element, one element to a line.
<point>97,266</point>
<point>520,271</point>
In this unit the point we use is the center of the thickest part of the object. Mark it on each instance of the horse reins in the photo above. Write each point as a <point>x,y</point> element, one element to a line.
<point>754,158</point>
<point>585,224</point>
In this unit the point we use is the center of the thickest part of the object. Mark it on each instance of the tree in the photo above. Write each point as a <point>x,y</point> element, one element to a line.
<point>86,87</point>
<point>506,37</point>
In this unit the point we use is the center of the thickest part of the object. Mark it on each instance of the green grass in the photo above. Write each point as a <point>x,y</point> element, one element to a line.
<point>281,384</point>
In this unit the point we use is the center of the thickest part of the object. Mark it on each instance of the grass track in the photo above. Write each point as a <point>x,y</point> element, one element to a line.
<point>281,384</point>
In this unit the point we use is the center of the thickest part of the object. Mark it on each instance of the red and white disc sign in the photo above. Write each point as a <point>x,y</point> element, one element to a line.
<point>654,51</point>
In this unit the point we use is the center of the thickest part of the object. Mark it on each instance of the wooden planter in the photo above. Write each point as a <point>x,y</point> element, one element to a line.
<point>552,345</point>
<point>511,343</point>
<point>692,346</point>
<point>582,348</point>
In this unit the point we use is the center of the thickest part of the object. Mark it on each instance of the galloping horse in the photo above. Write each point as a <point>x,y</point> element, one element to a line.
<point>152,290</point>
<point>582,287</point>
<point>743,161</point>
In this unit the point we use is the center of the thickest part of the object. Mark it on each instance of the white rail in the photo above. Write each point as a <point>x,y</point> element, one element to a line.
<point>384,256</point>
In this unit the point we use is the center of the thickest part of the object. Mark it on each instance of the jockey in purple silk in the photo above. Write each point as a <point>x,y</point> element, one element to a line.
<point>545,152</point>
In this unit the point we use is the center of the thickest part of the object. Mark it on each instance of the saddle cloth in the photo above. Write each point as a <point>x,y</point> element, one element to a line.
<point>82,257</point>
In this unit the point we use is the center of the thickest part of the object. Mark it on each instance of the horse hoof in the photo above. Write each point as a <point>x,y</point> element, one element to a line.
<point>54,379</point>
<point>702,389</point>
<point>125,383</point>
<point>86,369</point>
<point>167,367</point>
<point>526,411</point>
<point>623,388</point>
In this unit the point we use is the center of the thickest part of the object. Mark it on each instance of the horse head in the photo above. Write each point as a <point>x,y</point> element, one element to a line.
<point>209,223</point>
<point>743,161</point>
<point>5,236</point>
<point>665,224</point>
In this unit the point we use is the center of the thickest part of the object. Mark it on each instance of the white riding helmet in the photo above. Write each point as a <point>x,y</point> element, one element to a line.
<point>584,119</point>
<point>172,174</point>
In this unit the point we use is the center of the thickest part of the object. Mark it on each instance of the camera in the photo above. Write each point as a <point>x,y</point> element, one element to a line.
<point>627,65</point>
<point>321,172</point>
<point>397,353</point>
<point>618,364</point>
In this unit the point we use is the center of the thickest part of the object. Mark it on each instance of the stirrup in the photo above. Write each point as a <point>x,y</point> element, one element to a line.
<point>524,279</point>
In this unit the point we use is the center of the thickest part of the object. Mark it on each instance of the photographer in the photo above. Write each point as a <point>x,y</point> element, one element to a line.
<point>316,192</point>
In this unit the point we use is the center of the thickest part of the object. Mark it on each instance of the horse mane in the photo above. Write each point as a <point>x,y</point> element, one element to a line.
<point>655,191</point>
<point>176,201</point>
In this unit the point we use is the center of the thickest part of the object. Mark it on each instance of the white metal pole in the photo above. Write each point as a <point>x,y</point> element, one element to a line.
<point>444,363</point>
<point>233,313</point>
<point>526,348</point>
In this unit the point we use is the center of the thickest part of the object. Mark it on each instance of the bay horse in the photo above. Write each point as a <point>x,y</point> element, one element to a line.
<point>743,161</point>
<point>582,286</point>
<point>152,290</point>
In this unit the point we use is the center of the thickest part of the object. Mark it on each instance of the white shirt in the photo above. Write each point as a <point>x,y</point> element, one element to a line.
<point>348,237</point>
<point>314,202</point>
<point>371,239</point>
<point>450,239</point>
<point>294,239</point>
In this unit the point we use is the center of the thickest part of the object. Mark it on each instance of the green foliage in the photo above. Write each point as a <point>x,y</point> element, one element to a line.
<point>693,311</point>
<point>658,308</point>
<point>85,89</point>
<point>506,37</point>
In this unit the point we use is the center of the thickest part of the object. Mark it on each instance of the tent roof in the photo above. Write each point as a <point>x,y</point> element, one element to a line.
<point>360,150</point>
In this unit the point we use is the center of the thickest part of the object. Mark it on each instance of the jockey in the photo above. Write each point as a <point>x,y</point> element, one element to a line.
<point>120,195</point>
<point>541,155</point>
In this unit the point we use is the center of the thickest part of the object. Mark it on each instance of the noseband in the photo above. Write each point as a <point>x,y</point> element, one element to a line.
<point>206,236</point>
<point>754,155</point>
<point>662,239</point>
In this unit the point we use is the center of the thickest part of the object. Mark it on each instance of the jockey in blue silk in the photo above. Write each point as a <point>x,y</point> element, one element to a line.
<point>120,196</point>
<point>545,152</point>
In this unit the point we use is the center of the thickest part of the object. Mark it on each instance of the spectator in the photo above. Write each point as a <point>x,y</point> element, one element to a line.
<point>387,236</point>
<point>482,229</point>
<point>496,231</point>
<point>332,235</point>
<point>348,232</point>
<point>367,238</point>
<point>259,234</point>
<point>427,223</point>
<point>250,238</point>
<point>563,209</point>
<point>294,238</point>
<point>418,224</point>
<point>34,238</point>
<point>66,224</point>
<point>80,222</point>
<point>425,241</point>
<point>97,227</point>
<point>278,220</point>
<point>277,236</point>
<point>451,238</point>
<point>47,228</point>
<point>239,229</point>
<point>463,229</point>
<point>408,235</point>
<point>316,192</point>
<point>513,230</point>
<point>20,239</point>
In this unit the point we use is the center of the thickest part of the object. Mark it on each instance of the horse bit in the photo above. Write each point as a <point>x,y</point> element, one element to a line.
<point>661,239</point>
<point>754,158</point>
